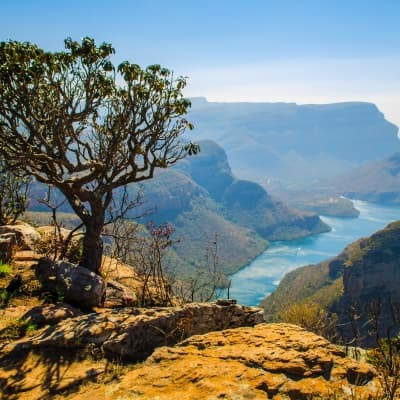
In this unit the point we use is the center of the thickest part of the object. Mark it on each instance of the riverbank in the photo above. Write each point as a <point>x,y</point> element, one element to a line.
<point>260,277</point>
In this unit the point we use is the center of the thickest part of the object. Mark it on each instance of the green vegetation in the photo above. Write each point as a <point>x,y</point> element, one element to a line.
<point>17,328</point>
<point>5,269</point>
<point>386,359</point>
<point>119,123</point>
<point>309,284</point>
<point>13,193</point>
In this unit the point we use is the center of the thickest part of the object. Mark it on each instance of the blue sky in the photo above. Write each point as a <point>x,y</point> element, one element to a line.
<point>303,51</point>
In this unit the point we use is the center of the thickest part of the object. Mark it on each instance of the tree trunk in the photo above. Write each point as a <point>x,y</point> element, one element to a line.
<point>93,244</point>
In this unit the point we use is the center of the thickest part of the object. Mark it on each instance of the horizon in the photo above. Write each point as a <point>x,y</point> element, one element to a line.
<point>310,53</point>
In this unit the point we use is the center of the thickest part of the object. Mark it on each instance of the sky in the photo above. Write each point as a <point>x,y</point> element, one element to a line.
<point>303,51</point>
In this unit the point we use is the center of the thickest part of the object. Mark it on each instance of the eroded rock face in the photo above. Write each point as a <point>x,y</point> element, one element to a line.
<point>74,283</point>
<point>133,334</point>
<point>268,361</point>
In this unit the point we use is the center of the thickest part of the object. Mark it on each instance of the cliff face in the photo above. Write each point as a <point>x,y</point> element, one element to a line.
<point>360,286</point>
<point>371,281</point>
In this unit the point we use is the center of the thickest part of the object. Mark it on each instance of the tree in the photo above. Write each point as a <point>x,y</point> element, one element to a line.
<point>14,188</point>
<point>73,120</point>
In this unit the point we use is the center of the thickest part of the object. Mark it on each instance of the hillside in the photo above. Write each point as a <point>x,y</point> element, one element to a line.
<point>360,286</point>
<point>375,181</point>
<point>295,143</point>
<point>202,199</point>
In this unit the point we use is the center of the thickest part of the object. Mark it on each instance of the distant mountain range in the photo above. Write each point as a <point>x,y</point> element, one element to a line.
<point>297,144</point>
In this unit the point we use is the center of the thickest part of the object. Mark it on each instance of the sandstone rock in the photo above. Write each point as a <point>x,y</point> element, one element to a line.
<point>7,243</point>
<point>133,334</point>
<point>26,236</point>
<point>73,282</point>
<point>51,314</point>
<point>268,361</point>
<point>119,295</point>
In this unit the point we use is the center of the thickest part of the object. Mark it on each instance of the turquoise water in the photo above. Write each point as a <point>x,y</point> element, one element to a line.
<point>251,284</point>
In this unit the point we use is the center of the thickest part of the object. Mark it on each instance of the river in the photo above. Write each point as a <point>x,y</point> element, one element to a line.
<point>251,284</point>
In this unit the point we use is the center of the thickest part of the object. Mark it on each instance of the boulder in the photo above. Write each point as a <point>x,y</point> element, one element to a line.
<point>7,243</point>
<point>119,295</point>
<point>26,236</point>
<point>71,282</point>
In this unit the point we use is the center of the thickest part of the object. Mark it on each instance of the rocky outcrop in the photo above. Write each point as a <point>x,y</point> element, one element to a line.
<point>268,361</point>
<point>370,305</point>
<point>72,282</point>
<point>133,334</point>
<point>26,236</point>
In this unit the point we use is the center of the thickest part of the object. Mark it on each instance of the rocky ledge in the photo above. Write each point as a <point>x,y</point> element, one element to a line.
<point>268,361</point>
<point>132,333</point>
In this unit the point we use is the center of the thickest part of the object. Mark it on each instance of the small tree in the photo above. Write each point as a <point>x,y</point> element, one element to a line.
<point>13,194</point>
<point>67,121</point>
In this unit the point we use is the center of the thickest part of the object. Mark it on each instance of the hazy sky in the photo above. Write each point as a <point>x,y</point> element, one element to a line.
<point>299,51</point>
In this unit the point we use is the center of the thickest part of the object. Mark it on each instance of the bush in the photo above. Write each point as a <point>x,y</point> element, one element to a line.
<point>5,269</point>
<point>311,317</point>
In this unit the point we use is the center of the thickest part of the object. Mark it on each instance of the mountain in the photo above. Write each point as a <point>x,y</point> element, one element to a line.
<point>375,181</point>
<point>209,207</point>
<point>201,199</point>
<point>360,286</point>
<point>298,143</point>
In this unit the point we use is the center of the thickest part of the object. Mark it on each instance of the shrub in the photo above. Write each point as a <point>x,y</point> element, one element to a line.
<point>5,269</point>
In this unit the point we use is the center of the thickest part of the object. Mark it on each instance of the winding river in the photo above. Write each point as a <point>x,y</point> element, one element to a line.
<point>251,284</point>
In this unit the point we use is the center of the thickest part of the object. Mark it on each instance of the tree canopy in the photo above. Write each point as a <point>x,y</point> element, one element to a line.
<point>75,121</point>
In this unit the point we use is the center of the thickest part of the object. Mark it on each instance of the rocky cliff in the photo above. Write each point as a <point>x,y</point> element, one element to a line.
<point>360,286</point>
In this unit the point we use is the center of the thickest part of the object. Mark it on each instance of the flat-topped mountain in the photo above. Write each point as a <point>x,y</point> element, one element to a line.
<point>295,142</point>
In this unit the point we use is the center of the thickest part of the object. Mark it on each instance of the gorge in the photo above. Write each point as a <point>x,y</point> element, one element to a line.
<point>261,276</point>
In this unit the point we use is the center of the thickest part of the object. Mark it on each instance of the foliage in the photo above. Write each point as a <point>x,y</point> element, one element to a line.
<point>207,281</point>
<point>13,194</point>
<point>66,119</point>
<point>311,317</point>
<point>5,269</point>
<point>386,359</point>
<point>4,297</point>
<point>18,328</point>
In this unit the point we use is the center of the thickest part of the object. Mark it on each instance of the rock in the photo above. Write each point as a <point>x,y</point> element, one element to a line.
<point>26,236</point>
<point>51,314</point>
<point>133,334</point>
<point>7,243</point>
<point>72,282</point>
<point>268,361</point>
<point>119,295</point>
